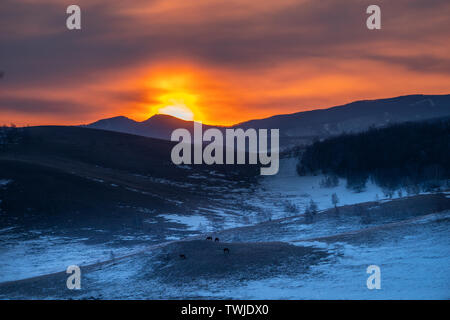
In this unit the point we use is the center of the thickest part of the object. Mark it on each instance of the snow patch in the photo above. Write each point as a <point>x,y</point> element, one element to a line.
<point>4,182</point>
<point>193,222</point>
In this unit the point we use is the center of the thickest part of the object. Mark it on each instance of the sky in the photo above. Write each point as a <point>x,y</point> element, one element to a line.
<point>217,61</point>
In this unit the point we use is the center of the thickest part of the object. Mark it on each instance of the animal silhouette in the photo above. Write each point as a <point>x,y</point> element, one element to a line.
<point>182,256</point>
<point>226,250</point>
<point>216,239</point>
<point>209,238</point>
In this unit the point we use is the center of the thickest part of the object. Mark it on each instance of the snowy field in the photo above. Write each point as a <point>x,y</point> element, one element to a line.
<point>412,249</point>
<point>412,256</point>
<point>288,186</point>
<point>413,259</point>
<point>43,254</point>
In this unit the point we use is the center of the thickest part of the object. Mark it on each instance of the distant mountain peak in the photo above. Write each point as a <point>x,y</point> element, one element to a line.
<point>117,118</point>
<point>164,117</point>
<point>120,118</point>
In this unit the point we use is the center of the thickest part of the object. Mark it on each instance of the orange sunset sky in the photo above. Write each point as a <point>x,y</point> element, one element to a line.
<point>220,62</point>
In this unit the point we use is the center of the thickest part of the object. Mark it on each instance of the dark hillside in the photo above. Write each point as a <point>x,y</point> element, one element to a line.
<point>108,149</point>
<point>60,175</point>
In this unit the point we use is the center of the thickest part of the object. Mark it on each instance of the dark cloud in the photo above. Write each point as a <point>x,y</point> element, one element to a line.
<point>38,50</point>
<point>34,106</point>
<point>109,39</point>
<point>420,63</point>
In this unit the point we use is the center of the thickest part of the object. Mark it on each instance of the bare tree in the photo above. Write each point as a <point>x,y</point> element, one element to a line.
<point>334,200</point>
<point>313,207</point>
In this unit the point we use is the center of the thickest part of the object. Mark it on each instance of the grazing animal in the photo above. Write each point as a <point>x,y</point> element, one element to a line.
<point>226,250</point>
<point>216,239</point>
<point>182,256</point>
<point>209,238</point>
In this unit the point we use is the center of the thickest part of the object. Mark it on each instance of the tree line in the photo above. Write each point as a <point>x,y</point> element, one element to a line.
<point>400,155</point>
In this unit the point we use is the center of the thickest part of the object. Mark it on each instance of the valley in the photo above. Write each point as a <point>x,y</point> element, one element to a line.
<point>137,225</point>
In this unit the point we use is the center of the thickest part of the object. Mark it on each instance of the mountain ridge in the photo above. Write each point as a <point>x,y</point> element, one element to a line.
<point>302,127</point>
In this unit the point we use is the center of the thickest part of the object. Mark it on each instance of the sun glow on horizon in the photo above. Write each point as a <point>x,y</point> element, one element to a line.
<point>179,111</point>
<point>176,95</point>
<point>182,105</point>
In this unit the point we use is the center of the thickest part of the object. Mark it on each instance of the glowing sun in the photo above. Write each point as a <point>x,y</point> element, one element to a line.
<point>179,104</point>
<point>179,111</point>
<point>177,96</point>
